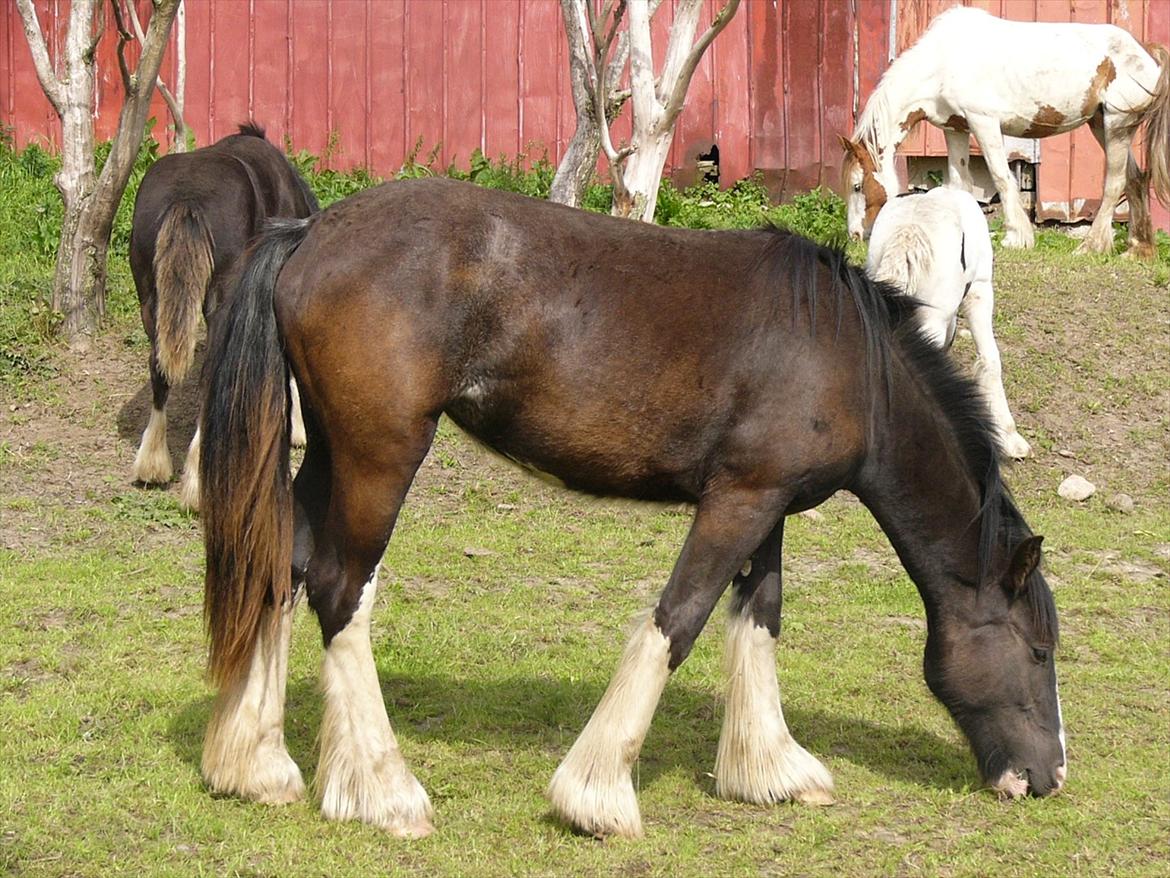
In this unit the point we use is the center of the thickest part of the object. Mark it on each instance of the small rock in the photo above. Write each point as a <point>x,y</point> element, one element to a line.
<point>476,552</point>
<point>1120,503</point>
<point>1076,488</point>
<point>1064,452</point>
<point>813,515</point>
<point>505,507</point>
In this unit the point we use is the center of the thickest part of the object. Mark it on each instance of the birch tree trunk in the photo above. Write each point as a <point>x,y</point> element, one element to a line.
<point>635,168</point>
<point>91,199</point>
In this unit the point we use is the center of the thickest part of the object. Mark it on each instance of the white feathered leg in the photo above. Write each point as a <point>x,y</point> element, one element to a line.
<point>758,759</point>
<point>361,774</point>
<point>243,750</point>
<point>591,789</point>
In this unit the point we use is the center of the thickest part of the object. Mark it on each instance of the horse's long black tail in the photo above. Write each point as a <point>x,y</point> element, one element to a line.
<point>246,501</point>
<point>183,263</point>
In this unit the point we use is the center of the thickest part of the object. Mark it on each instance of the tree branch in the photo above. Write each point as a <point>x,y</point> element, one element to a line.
<point>168,98</point>
<point>50,84</point>
<point>124,38</point>
<point>687,70</point>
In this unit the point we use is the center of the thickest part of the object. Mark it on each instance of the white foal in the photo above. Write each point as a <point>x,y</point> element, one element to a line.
<point>936,247</point>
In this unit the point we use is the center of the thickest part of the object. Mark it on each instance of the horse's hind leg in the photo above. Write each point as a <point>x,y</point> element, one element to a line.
<point>361,774</point>
<point>1115,141</point>
<point>977,308</point>
<point>152,463</point>
<point>592,789</point>
<point>1141,225</point>
<point>758,760</point>
<point>243,750</point>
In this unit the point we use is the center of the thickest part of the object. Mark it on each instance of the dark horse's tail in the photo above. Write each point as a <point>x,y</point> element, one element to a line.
<point>183,263</point>
<point>246,501</point>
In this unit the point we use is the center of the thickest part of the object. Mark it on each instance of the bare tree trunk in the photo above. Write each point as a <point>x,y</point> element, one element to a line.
<point>635,168</point>
<point>91,200</point>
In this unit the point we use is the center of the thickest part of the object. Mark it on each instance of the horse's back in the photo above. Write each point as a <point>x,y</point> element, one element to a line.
<point>1037,78</point>
<point>614,355</point>
<point>278,188</point>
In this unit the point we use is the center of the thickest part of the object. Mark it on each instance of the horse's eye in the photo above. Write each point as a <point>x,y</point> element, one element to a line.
<point>1039,654</point>
<point>856,187</point>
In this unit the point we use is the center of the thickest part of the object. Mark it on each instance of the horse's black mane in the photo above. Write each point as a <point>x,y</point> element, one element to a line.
<point>887,322</point>
<point>251,129</point>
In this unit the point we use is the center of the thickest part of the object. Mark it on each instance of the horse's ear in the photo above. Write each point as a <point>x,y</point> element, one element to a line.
<point>1025,559</point>
<point>847,144</point>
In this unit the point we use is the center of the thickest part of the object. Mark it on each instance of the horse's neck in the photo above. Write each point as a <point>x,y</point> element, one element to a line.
<point>888,116</point>
<point>918,486</point>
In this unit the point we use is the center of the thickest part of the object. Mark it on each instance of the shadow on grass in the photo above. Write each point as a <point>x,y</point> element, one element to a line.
<point>545,714</point>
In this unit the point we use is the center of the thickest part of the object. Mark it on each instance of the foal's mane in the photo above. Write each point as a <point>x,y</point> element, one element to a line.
<point>887,317</point>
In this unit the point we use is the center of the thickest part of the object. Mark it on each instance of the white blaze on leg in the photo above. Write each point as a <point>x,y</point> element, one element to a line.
<point>189,486</point>
<point>243,751</point>
<point>152,464</point>
<point>1062,771</point>
<point>758,760</point>
<point>362,775</point>
<point>592,790</point>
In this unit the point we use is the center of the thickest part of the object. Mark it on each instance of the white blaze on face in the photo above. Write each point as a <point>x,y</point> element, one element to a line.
<point>1062,771</point>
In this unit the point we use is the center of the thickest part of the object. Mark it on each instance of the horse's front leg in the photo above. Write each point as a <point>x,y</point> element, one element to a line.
<point>977,308</point>
<point>959,160</point>
<point>1017,224</point>
<point>758,760</point>
<point>592,789</point>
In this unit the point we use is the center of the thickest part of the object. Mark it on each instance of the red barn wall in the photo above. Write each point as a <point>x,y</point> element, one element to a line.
<point>361,82</point>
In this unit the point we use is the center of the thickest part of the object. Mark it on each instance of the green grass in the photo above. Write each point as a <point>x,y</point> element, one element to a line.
<point>491,664</point>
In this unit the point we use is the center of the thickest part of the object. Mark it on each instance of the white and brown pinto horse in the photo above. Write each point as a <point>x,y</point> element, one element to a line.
<point>974,74</point>
<point>936,247</point>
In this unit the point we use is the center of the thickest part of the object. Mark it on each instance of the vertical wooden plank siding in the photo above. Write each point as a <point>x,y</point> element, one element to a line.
<point>359,82</point>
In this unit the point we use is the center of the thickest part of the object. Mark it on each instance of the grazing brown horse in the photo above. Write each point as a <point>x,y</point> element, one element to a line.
<point>194,214</point>
<point>751,373</point>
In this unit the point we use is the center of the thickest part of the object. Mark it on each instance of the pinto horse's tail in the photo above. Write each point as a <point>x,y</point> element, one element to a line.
<point>906,259</point>
<point>246,501</point>
<point>1158,129</point>
<point>183,263</point>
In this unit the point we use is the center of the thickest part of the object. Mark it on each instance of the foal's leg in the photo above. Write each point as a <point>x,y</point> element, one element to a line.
<point>592,789</point>
<point>959,160</point>
<point>758,760</point>
<point>189,483</point>
<point>1018,227</point>
<point>1115,142</point>
<point>977,308</point>
<point>361,774</point>
<point>243,750</point>
<point>152,463</point>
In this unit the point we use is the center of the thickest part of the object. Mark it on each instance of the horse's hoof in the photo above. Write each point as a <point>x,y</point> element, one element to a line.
<point>1016,446</point>
<point>1139,252</point>
<point>1019,239</point>
<point>592,808</point>
<point>1096,246</point>
<point>152,466</point>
